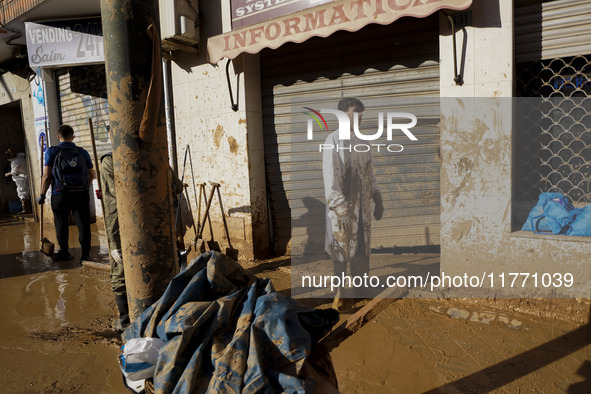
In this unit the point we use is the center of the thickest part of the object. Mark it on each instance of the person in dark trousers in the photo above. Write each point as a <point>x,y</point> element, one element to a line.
<point>109,197</point>
<point>69,171</point>
<point>349,188</point>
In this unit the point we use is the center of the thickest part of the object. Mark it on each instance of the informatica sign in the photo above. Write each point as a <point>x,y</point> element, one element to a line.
<point>248,12</point>
<point>65,43</point>
<point>311,20</point>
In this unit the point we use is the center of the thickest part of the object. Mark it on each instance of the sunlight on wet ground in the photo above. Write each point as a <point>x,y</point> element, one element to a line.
<point>54,317</point>
<point>55,334</point>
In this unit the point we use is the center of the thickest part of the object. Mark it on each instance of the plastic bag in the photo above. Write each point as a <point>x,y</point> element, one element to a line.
<point>536,221</point>
<point>552,214</point>
<point>138,360</point>
<point>559,214</point>
<point>581,226</point>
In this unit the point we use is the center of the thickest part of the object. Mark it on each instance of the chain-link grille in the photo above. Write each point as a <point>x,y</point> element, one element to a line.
<point>553,134</point>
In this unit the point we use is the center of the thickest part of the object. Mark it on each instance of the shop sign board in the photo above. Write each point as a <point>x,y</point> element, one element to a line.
<point>64,43</point>
<point>248,12</point>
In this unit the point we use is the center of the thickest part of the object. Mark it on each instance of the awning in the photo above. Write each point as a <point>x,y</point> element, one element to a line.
<point>321,21</point>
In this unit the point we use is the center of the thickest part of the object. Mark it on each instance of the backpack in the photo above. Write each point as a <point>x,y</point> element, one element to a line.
<point>70,169</point>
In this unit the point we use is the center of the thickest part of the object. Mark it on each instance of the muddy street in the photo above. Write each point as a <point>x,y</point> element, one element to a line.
<point>462,345</point>
<point>56,337</point>
<point>55,319</point>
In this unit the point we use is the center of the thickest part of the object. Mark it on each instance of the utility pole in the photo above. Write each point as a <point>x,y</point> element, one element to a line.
<point>140,150</point>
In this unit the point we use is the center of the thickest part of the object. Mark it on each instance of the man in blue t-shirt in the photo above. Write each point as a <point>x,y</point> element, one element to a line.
<point>66,198</point>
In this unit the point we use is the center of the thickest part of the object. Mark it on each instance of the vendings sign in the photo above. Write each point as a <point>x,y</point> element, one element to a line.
<point>65,43</point>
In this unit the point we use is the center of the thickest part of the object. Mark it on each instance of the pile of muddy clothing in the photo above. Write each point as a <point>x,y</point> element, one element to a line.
<point>228,331</point>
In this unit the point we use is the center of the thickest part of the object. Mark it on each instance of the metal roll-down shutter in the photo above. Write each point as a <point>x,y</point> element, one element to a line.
<point>83,95</point>
<point>552,29</point>
<point>399,60</point>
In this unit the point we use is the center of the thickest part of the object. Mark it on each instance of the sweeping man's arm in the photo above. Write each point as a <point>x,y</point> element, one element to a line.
<point>46,179</point>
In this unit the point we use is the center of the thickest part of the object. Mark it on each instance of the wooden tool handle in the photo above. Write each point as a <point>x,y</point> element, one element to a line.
<point>41,205</point>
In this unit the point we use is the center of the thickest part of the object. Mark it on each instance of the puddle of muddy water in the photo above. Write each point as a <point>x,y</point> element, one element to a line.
<point>55,335</point>
<point>54,319</point>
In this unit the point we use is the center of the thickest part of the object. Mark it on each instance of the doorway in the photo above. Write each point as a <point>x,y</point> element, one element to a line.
<point>11,137</point>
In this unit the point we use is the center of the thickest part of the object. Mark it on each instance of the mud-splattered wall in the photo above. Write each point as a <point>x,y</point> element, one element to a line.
<point>477,164</point>
<point>225,145</point>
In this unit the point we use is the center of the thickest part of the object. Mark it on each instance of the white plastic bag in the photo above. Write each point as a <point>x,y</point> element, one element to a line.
<point>138,360</point>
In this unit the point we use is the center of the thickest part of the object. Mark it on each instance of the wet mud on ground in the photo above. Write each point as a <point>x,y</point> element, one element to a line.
<point>56,337</point>
<point>461,345</point>
<point>54,319</point>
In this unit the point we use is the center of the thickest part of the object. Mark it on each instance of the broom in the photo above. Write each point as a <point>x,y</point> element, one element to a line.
<point>47,247</point>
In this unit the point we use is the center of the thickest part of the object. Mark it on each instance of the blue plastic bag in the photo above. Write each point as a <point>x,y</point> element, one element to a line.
<point>559,213</point>
<point>581,226</point>
<point>536,221</point>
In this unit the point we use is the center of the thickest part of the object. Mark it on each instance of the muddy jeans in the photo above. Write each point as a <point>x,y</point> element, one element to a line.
<point>117,277</point>
<point>358,266</point>
<point>78,204</point>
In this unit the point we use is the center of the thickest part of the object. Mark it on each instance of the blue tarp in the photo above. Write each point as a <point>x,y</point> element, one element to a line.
<point>229,332</point>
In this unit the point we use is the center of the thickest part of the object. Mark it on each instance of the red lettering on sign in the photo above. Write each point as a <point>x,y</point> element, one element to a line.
<point>239,40</point>
<point>272,31</point>
<point>292,24</point>
<point>226,43</point>
<point>358,5</point>
<point>338,16</point>
<point>379,8</point>
<point>255,34</point>
<point>314,20</point>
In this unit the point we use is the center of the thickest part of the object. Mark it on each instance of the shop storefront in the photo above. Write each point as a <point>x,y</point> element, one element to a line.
<point>553,61</point>
<point>70,87</point>
<point>367,50</point>
<point>398,61</point>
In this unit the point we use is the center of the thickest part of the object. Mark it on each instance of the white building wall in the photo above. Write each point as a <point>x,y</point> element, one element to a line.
<point>226,146</point>
<point>476,154</point>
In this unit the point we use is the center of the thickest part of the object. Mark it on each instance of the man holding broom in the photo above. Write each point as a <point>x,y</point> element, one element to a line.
<point>69,171</point>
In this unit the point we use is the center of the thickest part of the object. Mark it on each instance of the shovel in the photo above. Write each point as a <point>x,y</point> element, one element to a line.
<point>230,251</point>
<point>47,247</point>
<point>178,224</point>
<point>211,244</point>
<point>199,245</point>
<point>180,243</point>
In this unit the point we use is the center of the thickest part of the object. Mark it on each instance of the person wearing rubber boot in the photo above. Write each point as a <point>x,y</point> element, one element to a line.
<point>68,170</point>
<point>349,186</point>
<point>109,197</point>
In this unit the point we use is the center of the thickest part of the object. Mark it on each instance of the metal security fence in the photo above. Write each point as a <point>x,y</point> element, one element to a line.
<point>552,144</point>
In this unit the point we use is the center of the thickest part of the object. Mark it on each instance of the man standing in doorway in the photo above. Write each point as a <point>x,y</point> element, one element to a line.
<point>349,187</point>
<point>20,176</point>
<point>68,169</point>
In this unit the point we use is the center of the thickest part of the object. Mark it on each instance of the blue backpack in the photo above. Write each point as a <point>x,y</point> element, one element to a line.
<point>70,170</point>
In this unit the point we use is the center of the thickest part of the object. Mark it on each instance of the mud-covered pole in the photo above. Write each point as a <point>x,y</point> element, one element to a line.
<point>140,152</point>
